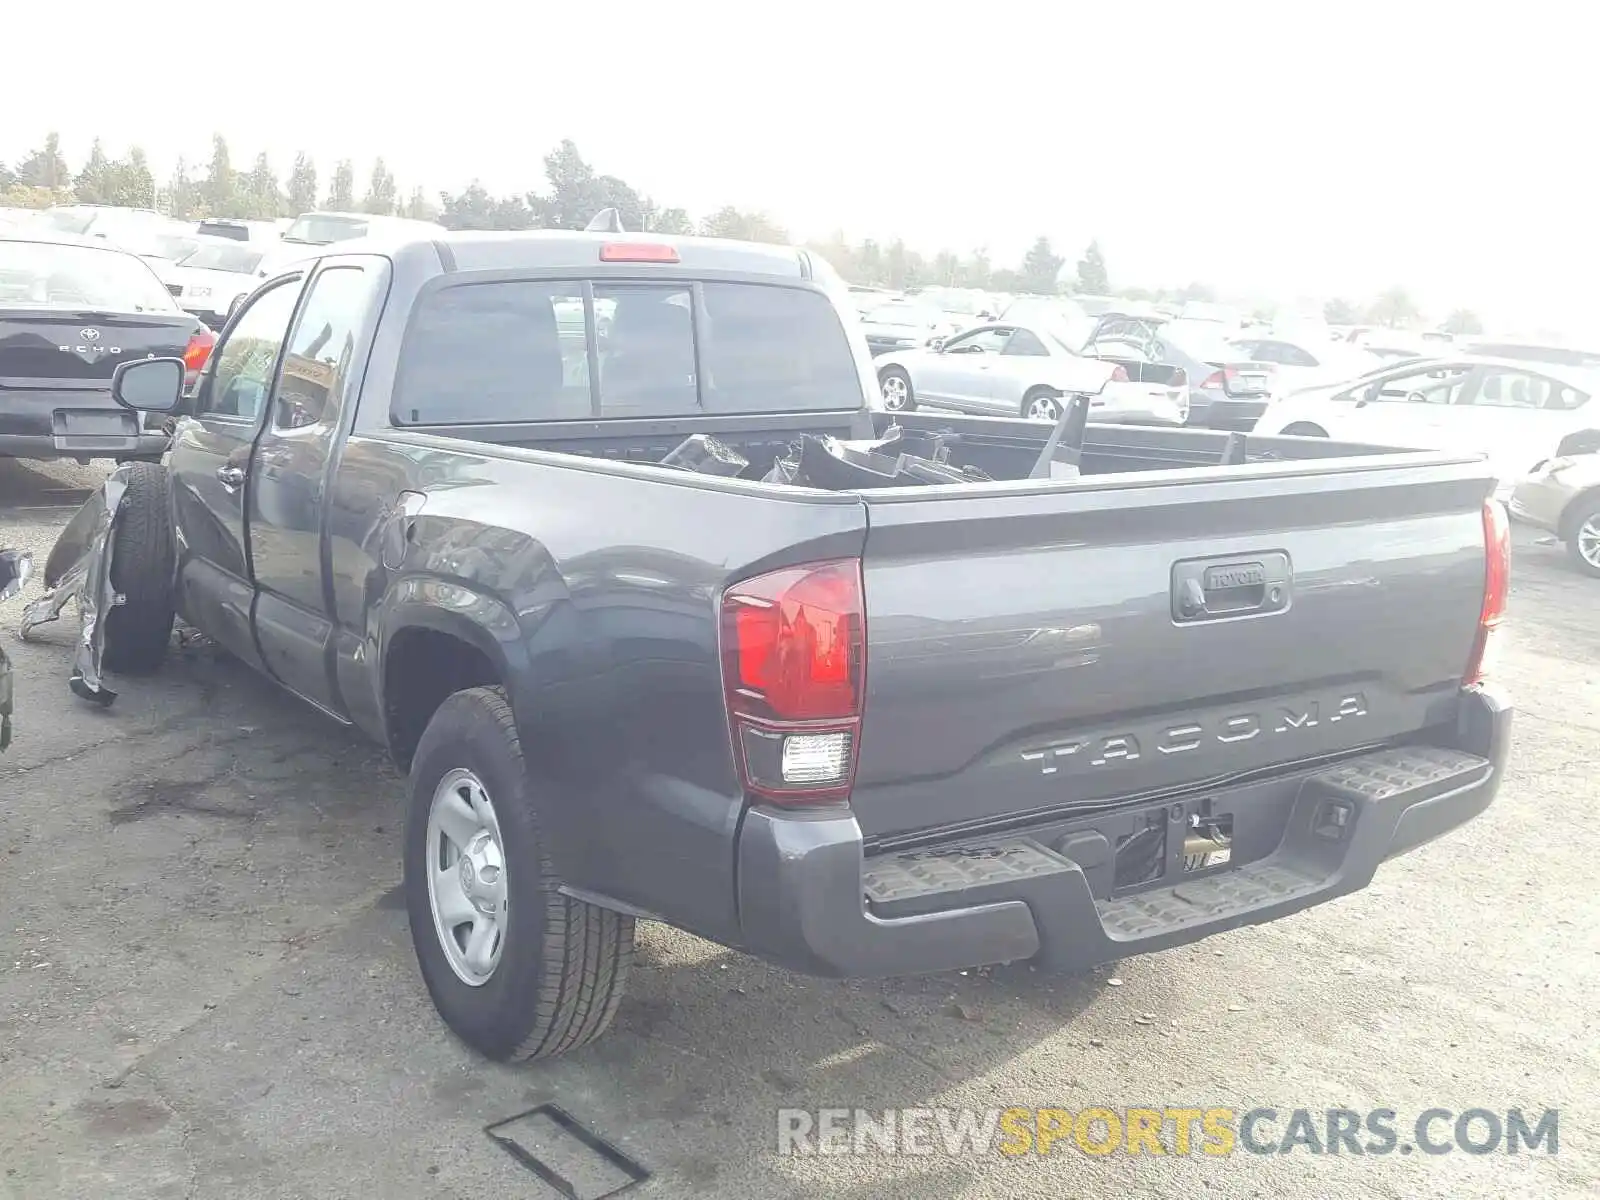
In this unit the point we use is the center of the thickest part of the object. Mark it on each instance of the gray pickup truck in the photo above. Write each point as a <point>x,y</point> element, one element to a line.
<point>1209,682</point>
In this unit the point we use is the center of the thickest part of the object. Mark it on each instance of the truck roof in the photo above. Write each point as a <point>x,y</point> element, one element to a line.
<point>544,249</point>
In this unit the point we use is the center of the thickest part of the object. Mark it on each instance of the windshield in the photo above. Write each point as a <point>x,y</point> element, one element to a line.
<point>321,229</point>
<point>172,247</point>
<point>54,276</point>
<point>237,259</point>
<point>964,303</point>
<point>67,220</point>
<point>910,315</point>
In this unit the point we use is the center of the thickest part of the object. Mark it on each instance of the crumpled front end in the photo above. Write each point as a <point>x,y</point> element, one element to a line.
<point>79,568</point>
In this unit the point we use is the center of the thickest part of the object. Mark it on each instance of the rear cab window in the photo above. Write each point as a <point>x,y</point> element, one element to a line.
<point>508,351</point>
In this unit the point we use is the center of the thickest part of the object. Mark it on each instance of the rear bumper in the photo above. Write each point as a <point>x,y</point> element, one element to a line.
<point>809,900</point>
<point>1237,415</point>
<point>72,423</point>
<point>1539,502</point>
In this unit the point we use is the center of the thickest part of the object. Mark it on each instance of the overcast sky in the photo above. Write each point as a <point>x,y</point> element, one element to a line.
<point>1302,147</point>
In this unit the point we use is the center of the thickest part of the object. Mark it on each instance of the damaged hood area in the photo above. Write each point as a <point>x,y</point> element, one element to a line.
<point>16,567</point>
<point>79,568</point>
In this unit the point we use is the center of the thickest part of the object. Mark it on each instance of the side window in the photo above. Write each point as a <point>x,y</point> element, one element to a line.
<point>320,348</point>
<point>1425,387</point>
<point>987,341</point>
<point>1258,351</point>
<point>647,365</point>
<point>766,348</point>
<point>1522,389</point>
<point>1025,342</point>
<point>242,367</point>
<point>481,353</point>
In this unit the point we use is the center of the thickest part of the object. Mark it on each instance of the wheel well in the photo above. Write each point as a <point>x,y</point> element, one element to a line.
<point>1305,429</point>
<point>1576,507</point>
<point>422,669</point>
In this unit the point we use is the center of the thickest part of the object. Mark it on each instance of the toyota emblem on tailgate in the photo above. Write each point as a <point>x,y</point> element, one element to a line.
<point>89,335</point>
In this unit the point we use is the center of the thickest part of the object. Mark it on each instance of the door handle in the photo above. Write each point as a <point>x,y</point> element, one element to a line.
<point>231,476</point>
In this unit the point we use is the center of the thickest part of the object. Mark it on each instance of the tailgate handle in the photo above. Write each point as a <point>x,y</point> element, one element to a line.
<point>1207,589</point>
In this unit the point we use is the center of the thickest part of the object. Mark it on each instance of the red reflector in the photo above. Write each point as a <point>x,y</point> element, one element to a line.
<point>1120,375</point>
<point>198,351</point>
<point>793,665</point>
<point>1496,589</point>
<point>638,252</point>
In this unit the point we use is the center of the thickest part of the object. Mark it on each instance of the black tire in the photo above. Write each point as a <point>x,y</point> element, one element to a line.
<point>1042,393</point>
<point>1586,511</point>
<point>900,374</point>
<point>563,964</point>
<point>139,630</point>
<point>1306,429</point>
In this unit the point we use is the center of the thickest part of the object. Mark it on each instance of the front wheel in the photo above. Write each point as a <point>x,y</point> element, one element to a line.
<point>516,969</point>
<point>143,551</point>
<point>897,393</point>
<point>1584,543</point>
<point>1042,404</point>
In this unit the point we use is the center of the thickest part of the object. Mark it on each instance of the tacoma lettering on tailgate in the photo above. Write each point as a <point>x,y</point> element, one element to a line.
<point>1101,749</point>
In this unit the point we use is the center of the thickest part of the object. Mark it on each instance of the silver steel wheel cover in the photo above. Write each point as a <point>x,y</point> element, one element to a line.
<point>1044,408</point>
<point>894,392</point>
<point>466,870</point>
<point>1588,536</point>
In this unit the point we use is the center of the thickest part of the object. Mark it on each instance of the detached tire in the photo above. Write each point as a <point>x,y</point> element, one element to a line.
<point>561,965</point>
<point>139,630</point>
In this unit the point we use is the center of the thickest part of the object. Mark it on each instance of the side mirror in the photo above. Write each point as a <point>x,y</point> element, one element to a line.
<point>149,384</point>
<point>16,567</point>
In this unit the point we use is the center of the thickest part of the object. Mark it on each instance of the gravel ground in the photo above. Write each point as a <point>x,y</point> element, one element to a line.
<point>207,987</point>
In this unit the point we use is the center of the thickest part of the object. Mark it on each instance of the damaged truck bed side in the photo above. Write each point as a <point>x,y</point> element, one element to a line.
<point>1208,682</point>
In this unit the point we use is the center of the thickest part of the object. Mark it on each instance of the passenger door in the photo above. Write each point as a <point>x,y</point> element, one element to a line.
<point>288,475</point>
<point>958,375</point>
<point>209,464</point>
<point>1414,409</point>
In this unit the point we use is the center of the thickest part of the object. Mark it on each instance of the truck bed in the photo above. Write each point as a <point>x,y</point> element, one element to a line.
<point>1029,651</point>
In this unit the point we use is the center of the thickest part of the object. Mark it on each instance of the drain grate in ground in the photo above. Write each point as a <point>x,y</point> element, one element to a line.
<point>577,1162</point>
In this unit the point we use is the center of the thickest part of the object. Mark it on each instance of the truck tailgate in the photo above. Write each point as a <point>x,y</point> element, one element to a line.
<point>1049,649</point>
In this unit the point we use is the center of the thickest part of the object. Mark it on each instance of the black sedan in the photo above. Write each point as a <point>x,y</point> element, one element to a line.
<point>70,312</point>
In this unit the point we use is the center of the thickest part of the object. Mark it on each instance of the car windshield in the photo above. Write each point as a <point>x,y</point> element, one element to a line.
<point>963,303</point>
<point>79,277</point>
<point>67,220</point>
<point>321,229</point>
<point>910,315</point>
<point>237,259</point>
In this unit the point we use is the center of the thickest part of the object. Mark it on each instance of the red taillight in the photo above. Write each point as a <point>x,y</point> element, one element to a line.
<point>1120,374</point>
<point>1216,379</point>
<point>197,352</point>
<point>794,666</point>
<point>1496,590</point>
<point>638,252</point>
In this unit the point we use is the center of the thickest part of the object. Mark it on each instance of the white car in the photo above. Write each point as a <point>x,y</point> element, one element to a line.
<point>1307,361</point>
<point>1514,413</point>
<point>211,277</point>
<point>1019,370</point>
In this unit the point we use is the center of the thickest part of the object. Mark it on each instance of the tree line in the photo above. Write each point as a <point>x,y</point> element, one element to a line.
<point>573,193</point>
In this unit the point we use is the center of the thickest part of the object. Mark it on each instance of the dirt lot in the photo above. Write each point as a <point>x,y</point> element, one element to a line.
<point>207,988</point>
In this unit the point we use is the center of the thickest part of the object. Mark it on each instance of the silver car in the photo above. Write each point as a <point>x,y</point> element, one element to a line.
<point>1562,495</point>
<point>1021,370</point>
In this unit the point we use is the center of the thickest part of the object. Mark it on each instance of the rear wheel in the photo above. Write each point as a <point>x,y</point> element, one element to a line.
<point>1583,544</point>
<point>897,393</point>
<point>516,969</point>
<point>1306,429</point>
<point>1042,404</point>
<point>139,629</point>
